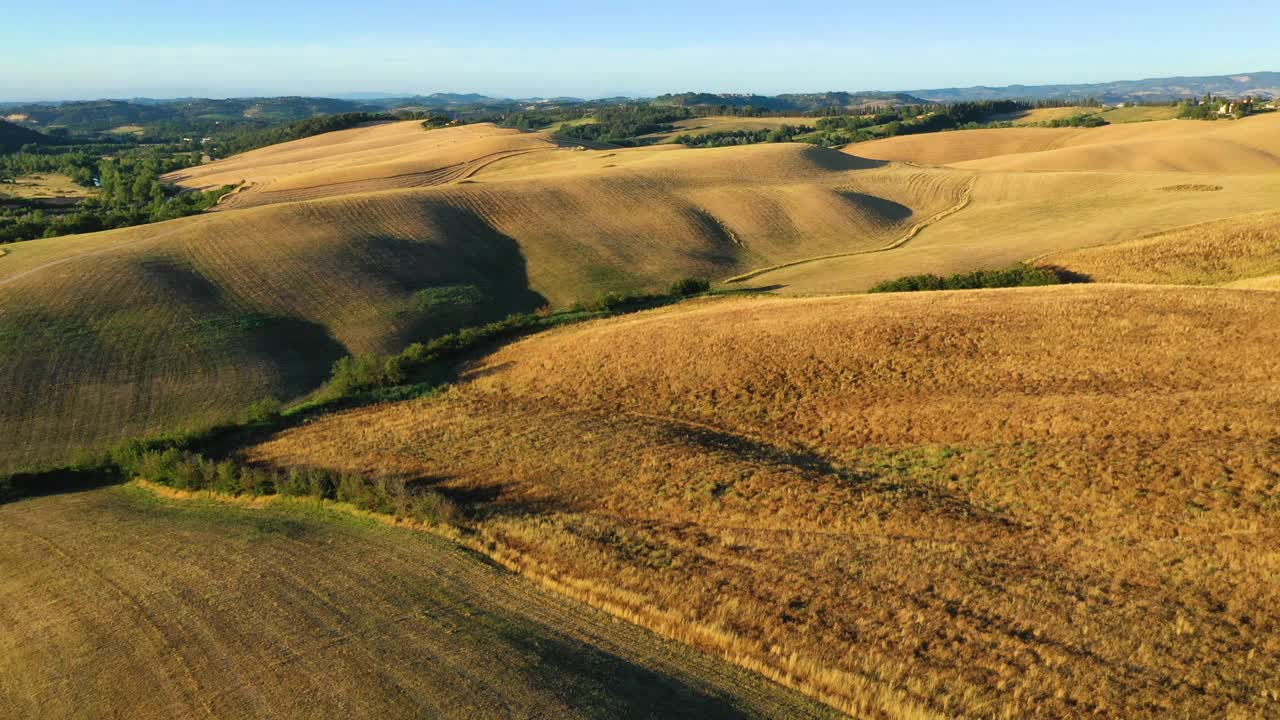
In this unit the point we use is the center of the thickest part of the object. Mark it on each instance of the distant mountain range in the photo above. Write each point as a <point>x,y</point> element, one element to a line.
<point>1259,84</point>
<point>791,101</point>
<point>201,115</point>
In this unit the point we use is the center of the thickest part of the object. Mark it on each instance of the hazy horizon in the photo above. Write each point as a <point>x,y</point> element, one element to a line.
<point>508,49</point>
<point>370,94</point>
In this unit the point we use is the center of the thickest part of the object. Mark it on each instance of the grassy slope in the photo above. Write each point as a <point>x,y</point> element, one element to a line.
<point>1229,251</point>
<point>1139,113</point>
<point>187,322</point>
<point>1115,184</point>
<point>1038,115</point>
<point>118,333</point>
<point>1049,502</point>
<point>120,604</point>
<point>1251,145</point>
<point>718,123</point>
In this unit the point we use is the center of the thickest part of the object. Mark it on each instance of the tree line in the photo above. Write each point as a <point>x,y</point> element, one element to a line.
<point>130,192</point>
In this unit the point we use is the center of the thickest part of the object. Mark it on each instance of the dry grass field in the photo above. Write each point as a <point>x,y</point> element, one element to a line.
<point>1039,191</point>
<point>721,123</point>
<point>114,334</point>
<point>1139,113</point>
<point>1039,115</point>
<point>347,242</point>
<point>45,186</point>
<point>1251,145</point>
<point>1048,502</point>
<point>1236,251</point>
<point>119,604</point>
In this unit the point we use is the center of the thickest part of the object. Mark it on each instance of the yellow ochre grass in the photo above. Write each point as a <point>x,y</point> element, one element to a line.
<point>1048,502</point>
<point>1251,145</point>
<point>722,123</point>
<point>118,603</point>
<point>114,334</point>
<point>1217,253</point>
<point>339,242</point>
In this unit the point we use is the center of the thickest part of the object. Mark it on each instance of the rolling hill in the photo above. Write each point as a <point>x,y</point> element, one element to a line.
<point>122,604</point>
<point>1233,252</point>
<point>1048,502</point>
<point>1038,191</point>
<point>341,244</point>
<point>367,239</point>
<point>1251,145</point>
<point>1040,502</point>
<point>13,137</point>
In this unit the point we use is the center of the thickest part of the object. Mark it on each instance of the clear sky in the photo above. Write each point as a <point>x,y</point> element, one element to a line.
<point>67,49</point>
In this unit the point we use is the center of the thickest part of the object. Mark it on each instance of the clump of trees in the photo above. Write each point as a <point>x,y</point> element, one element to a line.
<point>725,138</point>
<point>185,470</point>
<point>620,124</point>
<point>1020,275</point>
<point>1081,120</point>
<point>130,192</point>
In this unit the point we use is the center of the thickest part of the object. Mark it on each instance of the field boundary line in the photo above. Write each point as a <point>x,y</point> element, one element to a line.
<point>965,198</point>
<point>437,176</point>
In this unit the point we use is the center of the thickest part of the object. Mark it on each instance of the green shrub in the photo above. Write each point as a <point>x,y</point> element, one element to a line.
<point>353,489</point>
<point>1016,276</point>
<point>689,286</point>
<point>227,478</point>
<point>322,484</point>
<point>265,410</point>
<point>294,483</point>
<point>431,507</point>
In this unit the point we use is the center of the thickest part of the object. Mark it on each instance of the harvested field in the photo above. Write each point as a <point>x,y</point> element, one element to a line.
<point>718,123</point>
<point>1251,145</point>
<point>121,604</point>
<point>341,242</point>
<point>1013,217</point>
<point>380,156</point>
<point>1139,113</point>
<point>1049,502</point>
<point>1039,115</point>
<point>187,322</point>
<point>1209,254</point>
<point>45,186</point>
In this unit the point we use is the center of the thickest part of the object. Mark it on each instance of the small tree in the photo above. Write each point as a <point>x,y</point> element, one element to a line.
<point>689,286</point>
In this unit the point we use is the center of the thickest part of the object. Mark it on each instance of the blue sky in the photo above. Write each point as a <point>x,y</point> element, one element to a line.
<point>87,49</point>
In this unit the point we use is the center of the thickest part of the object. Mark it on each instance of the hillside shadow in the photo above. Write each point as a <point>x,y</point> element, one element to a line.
<point>602,684</point>
<point>300,351</point>
<point>473,255</point>
<point>1067,275</point>
<point>25,485</point>
<point>830,159</point>
<point>890,211</point>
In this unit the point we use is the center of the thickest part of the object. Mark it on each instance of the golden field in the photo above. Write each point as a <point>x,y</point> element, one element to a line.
<point>355,241</point>
<point>1251,145</point>
<point>1039,115</point>
<point>114,334</point>
<point>45,186</point>
<point>1236,252</point>
<point>1045,502</point>
<point>725,123</point>
<point>119,603</point>
<point>1048,502</point>
<point>1039,191</point>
